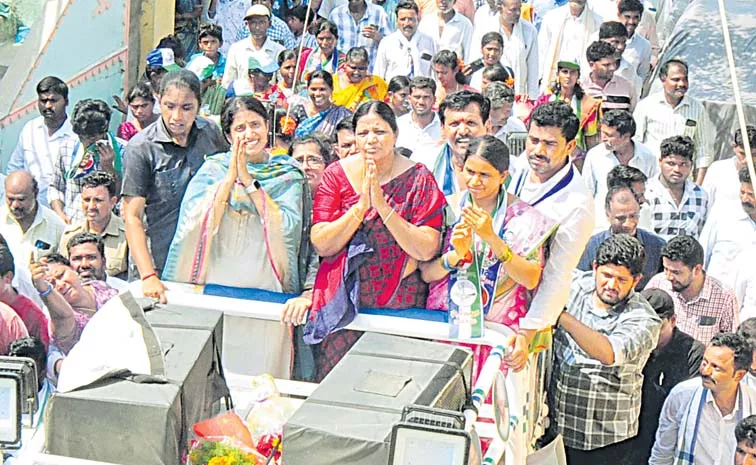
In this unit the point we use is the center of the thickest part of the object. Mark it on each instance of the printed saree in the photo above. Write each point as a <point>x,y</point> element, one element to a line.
<point>588,112</point>
<point>324,122</point>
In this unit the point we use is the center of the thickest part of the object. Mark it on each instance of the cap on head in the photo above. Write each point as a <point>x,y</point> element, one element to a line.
<point>202,66</point>
<point>569,63</point>
<point>257,10</point>
<point>162,57</point>
<point>262,62</point>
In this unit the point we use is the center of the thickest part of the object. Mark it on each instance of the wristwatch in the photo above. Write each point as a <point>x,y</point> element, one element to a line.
<point>254,186</point>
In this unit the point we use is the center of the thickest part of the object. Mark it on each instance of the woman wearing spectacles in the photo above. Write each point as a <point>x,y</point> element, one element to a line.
<point>313,153</point>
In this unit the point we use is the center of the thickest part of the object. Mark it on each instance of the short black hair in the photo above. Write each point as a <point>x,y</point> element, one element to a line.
<point>398,83</point>
<point>141,89</point>
<point>101,178</point>
<point>742,351</point>
<point>614,190</point>
<point>685,249</point>
<point>407,5</point>
<point>346,124</point>
<point>33,348</point>
<point>737,138</point>
<point>745,431</point>
<point>7,264</point>
<point>299,12</point>
<point>630,5</point>
<point>458,101</point>
<point>422,82</point>
<point>57,258</point>
<point>622,250</point>
<point>612,29</point>
<point>52,84</point>
<point>556,114</point>
<point>499,94</point>
<point>625,175</point>
<point>91,117</point>
<point>621,120</point>
<point>599,50</point>
<point>682,146</point>
<point>210,30</point>
<point>744,176</point>
<point>747,329</point>
<point>489,37</point>
<point>87,238</point>
<point>664,69</point>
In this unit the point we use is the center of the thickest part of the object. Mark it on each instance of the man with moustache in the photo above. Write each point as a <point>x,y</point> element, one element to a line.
<point>602,341</point>
<point>406,52</point>
<point>87,257</point>
<point>421,127</point>
<point>698,420</point>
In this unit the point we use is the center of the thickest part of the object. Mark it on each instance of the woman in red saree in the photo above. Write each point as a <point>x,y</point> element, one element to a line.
<point>375,216</point>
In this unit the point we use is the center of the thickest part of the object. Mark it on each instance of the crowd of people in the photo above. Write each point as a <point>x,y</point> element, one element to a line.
<point>359,154</point>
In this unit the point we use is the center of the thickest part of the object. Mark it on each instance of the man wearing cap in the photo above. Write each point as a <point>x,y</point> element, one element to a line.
<point>676,358</point>
<point>257,82</point>
<point>259,45</point>
<point>213,94</point>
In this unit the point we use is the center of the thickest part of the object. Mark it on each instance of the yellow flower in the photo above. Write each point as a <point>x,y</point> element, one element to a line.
<point>223,460</point>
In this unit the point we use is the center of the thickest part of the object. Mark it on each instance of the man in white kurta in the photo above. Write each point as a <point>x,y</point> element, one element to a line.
<point>405,52</point>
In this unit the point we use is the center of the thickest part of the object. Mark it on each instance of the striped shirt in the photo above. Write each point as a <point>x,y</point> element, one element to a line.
<point>668,219</point>
<point>350,31</point>
<point>617,94</point>
<point>656,120</point>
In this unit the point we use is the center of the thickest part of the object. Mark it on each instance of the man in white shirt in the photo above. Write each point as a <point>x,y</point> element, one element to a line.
<point>520,46</point>
<point>406,52</point>
<point>638,49</point>
<point>608,10</point>
<point>617,148</point>
<point>730,233</point>
<point>674,113</point>
<point>501,121</point>
<point>565,31</point>
<point>548,181</point>
<point>24,221</point>
<point>448,29</point>
<point>701,414</point>
<point>720,184</point>
<point>257,20</point>
<point>420,129</point>
<point>44,138</point>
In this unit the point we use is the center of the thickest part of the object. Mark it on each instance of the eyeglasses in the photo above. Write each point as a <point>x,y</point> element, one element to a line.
<point>310,160</point>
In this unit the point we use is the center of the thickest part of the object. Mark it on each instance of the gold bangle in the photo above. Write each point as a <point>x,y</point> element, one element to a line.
<point>385,220</point>
<point>506,256</point>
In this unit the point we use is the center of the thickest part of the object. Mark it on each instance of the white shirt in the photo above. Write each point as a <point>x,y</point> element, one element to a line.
<point>745,287</point>
<point>485,19</point>
<point>237,61</point>
<point>599,162</point>
<point>47,226</point>
<point>572,208</point>
<point>456,35</point>
<point>413,137</point>
<point>656,120</point>
<point>722,185</point>
<point>726,236</point>
<point>513,124</point>
<point>37,152</point>
<point>715,444</point>
<point>398,56</point>
<point>638,54</point>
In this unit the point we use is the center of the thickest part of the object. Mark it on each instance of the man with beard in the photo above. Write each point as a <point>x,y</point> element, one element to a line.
<point>623,213</point>
<point>44,139</point>
<point>704,307</point>
<point>448,29</point>
<point>678,205</point>
<point>24,220</point>
<point>602,341</point>
<point>730,233</point>
<point>463,116</point>
<point>98,198</point>
<point>616,92</point>
<point>698,420</point>
<point>406,52</point>
<point>673,112</point>
<point>421,127</point>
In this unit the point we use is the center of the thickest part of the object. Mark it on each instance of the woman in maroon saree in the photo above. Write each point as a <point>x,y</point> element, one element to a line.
<point>375,216</point>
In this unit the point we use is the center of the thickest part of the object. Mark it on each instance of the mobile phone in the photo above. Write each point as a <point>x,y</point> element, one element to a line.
<point>476,65</point>
<point>40,246</point>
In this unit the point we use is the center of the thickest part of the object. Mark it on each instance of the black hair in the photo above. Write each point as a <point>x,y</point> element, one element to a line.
<point>404,151</point>
<point>682,146</point>
<point>458,101</point>
<point>489,37</point>
<point>613,191</point>
<point>612,29</point>
<point>87,238</point>
<point>171,41</point>
<point>7,264</point>
<point>324,146</point>
<point>299,12</point>
<point>578,91</point>
<point>325,25</point>
<point>422,82</point>
<point>210,30</point>
<point>398,83</point>
<point>378,108</point>
<point>407,5</point>
<point>556,115</point>
<point>286,55</point>
<point>745,431</point>
<point>599,50</point>
<point>635,6</point>
<point>57,258</point>
<point>490,149</point>
<point>621,120</point>
<point>741,350</point>
<point>346,124</point>
<point>234,105</point>
<point>101,178</point>
<point>738,137</point>
<point>277,129</point>
<point>140,90</point>
<point>90,117</point>
<point>625,175</point>
<point>622,250</point>
<point>664,69</point>
<point>358,54</point>
<point>52,84</point>
<point>446,58</point>
<point>685,249</point>
<point>747,329</point>
<point>744,176</point>
<point>497,73</point>
<point>182,79</point>
<point>321,74</point>
<point>499,94</point>
<point>31,347</point>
